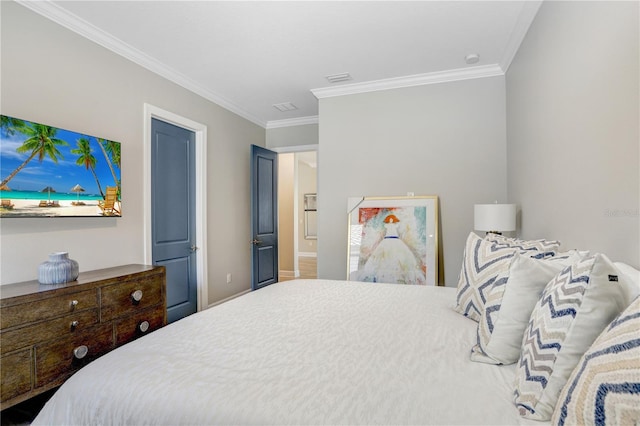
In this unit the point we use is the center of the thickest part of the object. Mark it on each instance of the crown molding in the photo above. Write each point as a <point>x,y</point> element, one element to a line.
<point>290,122</point>
<point>61,16</point>
<point>526,17</point>
<point>78,25</point>
<point>294,148</point>
<point>410,81</point>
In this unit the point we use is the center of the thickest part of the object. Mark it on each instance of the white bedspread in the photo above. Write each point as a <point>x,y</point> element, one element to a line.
<point>298,352</point>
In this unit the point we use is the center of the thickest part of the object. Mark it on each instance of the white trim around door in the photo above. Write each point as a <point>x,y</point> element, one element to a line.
<point>200,131</point>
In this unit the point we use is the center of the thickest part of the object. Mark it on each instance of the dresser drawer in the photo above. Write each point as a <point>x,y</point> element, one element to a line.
<point>15,373</point>
<point>48,308</point>
<point>62,327</point>
<point>44,329</point>
<point>139,324</point>
<point>118,299</point>
<point>56,360</point>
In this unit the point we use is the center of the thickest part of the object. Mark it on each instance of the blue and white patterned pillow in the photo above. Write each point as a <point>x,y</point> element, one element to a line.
<point>537,249</point>
<point>509,304</point>
<point>482,262</point>
<point>573,310</point>
<point>604,389</point>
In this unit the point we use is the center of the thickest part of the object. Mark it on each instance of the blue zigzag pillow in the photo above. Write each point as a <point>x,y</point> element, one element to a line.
<point>482,262</point>
<point>605,387</point>
<point>536,249</point>
<point>510,302</point>
<point>573,310</point>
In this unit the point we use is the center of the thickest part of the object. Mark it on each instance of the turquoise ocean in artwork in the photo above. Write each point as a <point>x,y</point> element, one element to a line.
<point>39,195</point>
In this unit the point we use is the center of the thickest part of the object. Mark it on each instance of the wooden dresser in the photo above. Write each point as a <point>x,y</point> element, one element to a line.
<point>47,332</point>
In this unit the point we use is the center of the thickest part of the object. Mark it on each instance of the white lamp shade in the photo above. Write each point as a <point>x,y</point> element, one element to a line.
<point>494,217</point>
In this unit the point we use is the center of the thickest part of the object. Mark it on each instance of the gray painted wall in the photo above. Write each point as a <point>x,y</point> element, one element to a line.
<point>53,76</point>
<point>279,137</point>
<point>572,127</point>
<point>447,140</point>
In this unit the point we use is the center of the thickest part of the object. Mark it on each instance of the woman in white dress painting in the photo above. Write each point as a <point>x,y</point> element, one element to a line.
<point>392,261</point>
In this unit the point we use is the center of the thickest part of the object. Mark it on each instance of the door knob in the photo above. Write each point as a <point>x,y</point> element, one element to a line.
<point>255,241</point>
<point>194,248</point>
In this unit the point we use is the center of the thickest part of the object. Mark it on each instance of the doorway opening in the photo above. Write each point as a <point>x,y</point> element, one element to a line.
<point>297,210</point>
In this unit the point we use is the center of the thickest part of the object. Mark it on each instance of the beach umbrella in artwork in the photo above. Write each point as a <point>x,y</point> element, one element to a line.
<point>48,190</point>
<point>77,189</point>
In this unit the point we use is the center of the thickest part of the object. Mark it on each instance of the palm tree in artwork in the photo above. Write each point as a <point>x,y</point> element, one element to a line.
<point>41,141</point>
<point>86,159</point>
<point>113,148</point>
<point>11,125</point>
<point>109,149</point>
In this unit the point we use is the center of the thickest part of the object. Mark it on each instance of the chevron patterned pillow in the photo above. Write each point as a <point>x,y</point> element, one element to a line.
<point>509,304</point>
<point>605,387</point>
<point>574,308</point>
<point>482,262</point>
<point>537,249</point>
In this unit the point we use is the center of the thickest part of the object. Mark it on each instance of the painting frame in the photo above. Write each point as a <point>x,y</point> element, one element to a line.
<point>393,239</point>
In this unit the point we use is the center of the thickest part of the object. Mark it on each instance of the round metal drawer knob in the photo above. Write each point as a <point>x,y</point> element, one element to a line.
<point>136,296</point>
<point>74,324</point>
<point>144,326</point>
<point>80,352</point>
<point>73,304</point>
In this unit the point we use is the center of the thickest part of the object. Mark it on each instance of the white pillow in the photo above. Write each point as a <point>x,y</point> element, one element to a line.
<point>632,273</point>
<point>510,303</point>
<point>575,307</point>
<point>582,253</point>
<point>605,386</point>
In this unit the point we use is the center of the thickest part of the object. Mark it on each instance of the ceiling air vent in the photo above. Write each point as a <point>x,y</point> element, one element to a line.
<point>285,106</point>
<point>337,78</point>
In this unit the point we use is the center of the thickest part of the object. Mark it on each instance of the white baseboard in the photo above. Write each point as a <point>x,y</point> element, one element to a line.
<point>228,298</point>
<point>307,254</point>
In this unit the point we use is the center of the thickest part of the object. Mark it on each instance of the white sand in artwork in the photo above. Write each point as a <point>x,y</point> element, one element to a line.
<point>66,208</point>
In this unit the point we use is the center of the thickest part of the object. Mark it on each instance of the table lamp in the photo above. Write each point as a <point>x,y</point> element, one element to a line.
<point>494,218</point>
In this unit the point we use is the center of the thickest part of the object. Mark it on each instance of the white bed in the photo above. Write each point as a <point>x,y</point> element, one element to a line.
<point>299,352</point>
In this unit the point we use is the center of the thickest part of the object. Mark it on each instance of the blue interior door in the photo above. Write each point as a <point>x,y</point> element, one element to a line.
<point>264,217</point>
<point>173,214</point>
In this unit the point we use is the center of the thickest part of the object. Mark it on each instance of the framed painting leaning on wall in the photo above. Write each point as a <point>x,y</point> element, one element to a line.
<point>393,240</point>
